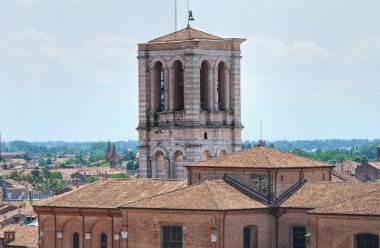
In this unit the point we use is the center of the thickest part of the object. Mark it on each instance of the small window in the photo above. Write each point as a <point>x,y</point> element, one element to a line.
<point>298,237</point>
<point>250,238</point>
<point>75,240</point>
<point>103,240</point>
<point>366,240</point>
<point>205,135</point>
<point>171,237</point>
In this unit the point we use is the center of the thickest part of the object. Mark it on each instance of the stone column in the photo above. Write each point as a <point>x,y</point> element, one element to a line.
<point>215,74</point>
<point>210,89</point>
<point>227,89</point>
<point>154,168</point>
<point>171,88</point>
<point>153,86</point>
<point>166,89</point>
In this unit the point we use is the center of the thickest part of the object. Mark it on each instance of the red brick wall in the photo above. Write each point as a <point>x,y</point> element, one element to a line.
<point>339,232</point>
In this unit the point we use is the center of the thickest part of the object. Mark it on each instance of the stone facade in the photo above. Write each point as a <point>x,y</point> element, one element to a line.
<point>189,103</point>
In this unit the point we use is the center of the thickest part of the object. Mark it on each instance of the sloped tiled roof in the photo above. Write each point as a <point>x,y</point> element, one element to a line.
<point>186,34</point>
<point>362,204</point>
<point>375,164</point>
<point>260,157</point>
<point>343,175</point>
<point>112,193</point>
<point>26,236</point>
<point>319,194</point>
<point>208,195</point>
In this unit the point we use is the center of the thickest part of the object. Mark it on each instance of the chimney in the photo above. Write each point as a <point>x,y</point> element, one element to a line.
<point>9,236</point>
<point>378,153</point>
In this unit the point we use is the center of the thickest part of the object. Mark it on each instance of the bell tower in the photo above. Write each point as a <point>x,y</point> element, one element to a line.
<point>189,101</point>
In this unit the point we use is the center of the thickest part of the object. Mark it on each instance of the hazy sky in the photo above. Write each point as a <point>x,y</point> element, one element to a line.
<point>68,68</point>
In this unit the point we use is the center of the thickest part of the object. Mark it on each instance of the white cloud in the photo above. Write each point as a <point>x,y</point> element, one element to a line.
<point>28,35</point>
<point>304,52</point>
<point>364,48</point>
<point>53,52</point>
<point>110,46</point>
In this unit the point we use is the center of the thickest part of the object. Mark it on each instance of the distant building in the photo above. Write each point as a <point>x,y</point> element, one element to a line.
<point>112,156</point>
<point>19,236</point>
<point>348,166</point>
<point>369,171</point>
<point>12,155</point>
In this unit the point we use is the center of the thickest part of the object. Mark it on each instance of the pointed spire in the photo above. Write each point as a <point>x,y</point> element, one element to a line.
<point>114,153</point>
<point>109,147</point>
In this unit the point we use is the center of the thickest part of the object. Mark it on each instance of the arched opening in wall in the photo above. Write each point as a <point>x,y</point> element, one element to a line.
<point>204,76</point>
<point>221,86</point>
<point>149,169</point>
<point>205,135</point>
<point>160,164</point>
<point>223,153</point>
<point>179,162</point>
<point>206,154</point>
<point>179,92</point>
<point>250,236</point>
<point>103,240</point>
<point>159,87</point>
<point>364,240</point>
<point>75,240</point>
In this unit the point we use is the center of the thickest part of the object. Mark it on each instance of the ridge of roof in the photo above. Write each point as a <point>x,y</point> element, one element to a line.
<point>261,157</point>
<point>187,33</point>
<point>212,194</point>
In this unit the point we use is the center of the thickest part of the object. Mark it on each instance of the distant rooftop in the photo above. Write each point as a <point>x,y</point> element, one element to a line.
<point>186,34</point>
<point>260,157</point>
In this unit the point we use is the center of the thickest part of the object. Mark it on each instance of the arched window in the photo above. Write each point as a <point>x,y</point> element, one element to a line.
<point>75,240</point>
<point>204,85</point>
<point>159,87</point>
<point>179,161</point>
<point>179,93</point>
<point>205,135</point>
<point>103,240</point>
<point>162,171</point>
<point>250,237</point>
<point>366,240</point>
<point>221,86</point>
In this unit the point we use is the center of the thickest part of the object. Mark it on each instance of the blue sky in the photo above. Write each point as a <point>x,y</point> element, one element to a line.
<point>68,68</point>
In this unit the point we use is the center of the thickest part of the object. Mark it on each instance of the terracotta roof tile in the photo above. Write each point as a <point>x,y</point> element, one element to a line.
<point>208,195</point>
<point>362,204</point>
<point>112,193</point>
<point>186,34</point>
<point>26,236</point>
<point>318,194</point>
<point>260,157</point>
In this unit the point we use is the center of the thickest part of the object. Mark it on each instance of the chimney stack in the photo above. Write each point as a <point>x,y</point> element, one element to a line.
<point>378,153</point>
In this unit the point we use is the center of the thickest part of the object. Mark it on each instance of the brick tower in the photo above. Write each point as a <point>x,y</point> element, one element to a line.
<point>189,101</point>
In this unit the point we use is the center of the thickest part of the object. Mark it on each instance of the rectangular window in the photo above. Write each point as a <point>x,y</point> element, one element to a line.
<point>171,237</point>
<point>299,239</point>
<point>247,237</point>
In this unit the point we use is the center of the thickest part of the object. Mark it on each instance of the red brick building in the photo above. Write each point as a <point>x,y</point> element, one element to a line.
<point>259,197</point>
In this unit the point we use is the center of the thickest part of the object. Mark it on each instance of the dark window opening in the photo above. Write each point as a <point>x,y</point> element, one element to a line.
<point>179,92</point>
<point>171,237</point>
<point>299,239</point>
<point>204,85</point>
<point>103,240</point>
<point>205,135</point>
<point>366,240</point>
<point>250,238</point>
<point>75,240</point>
<point>221,86</point>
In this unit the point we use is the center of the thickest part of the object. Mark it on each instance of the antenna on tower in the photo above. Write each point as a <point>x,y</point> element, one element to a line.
<point>190,14</point>
<point>175,15</point>
<point>261,141</point>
